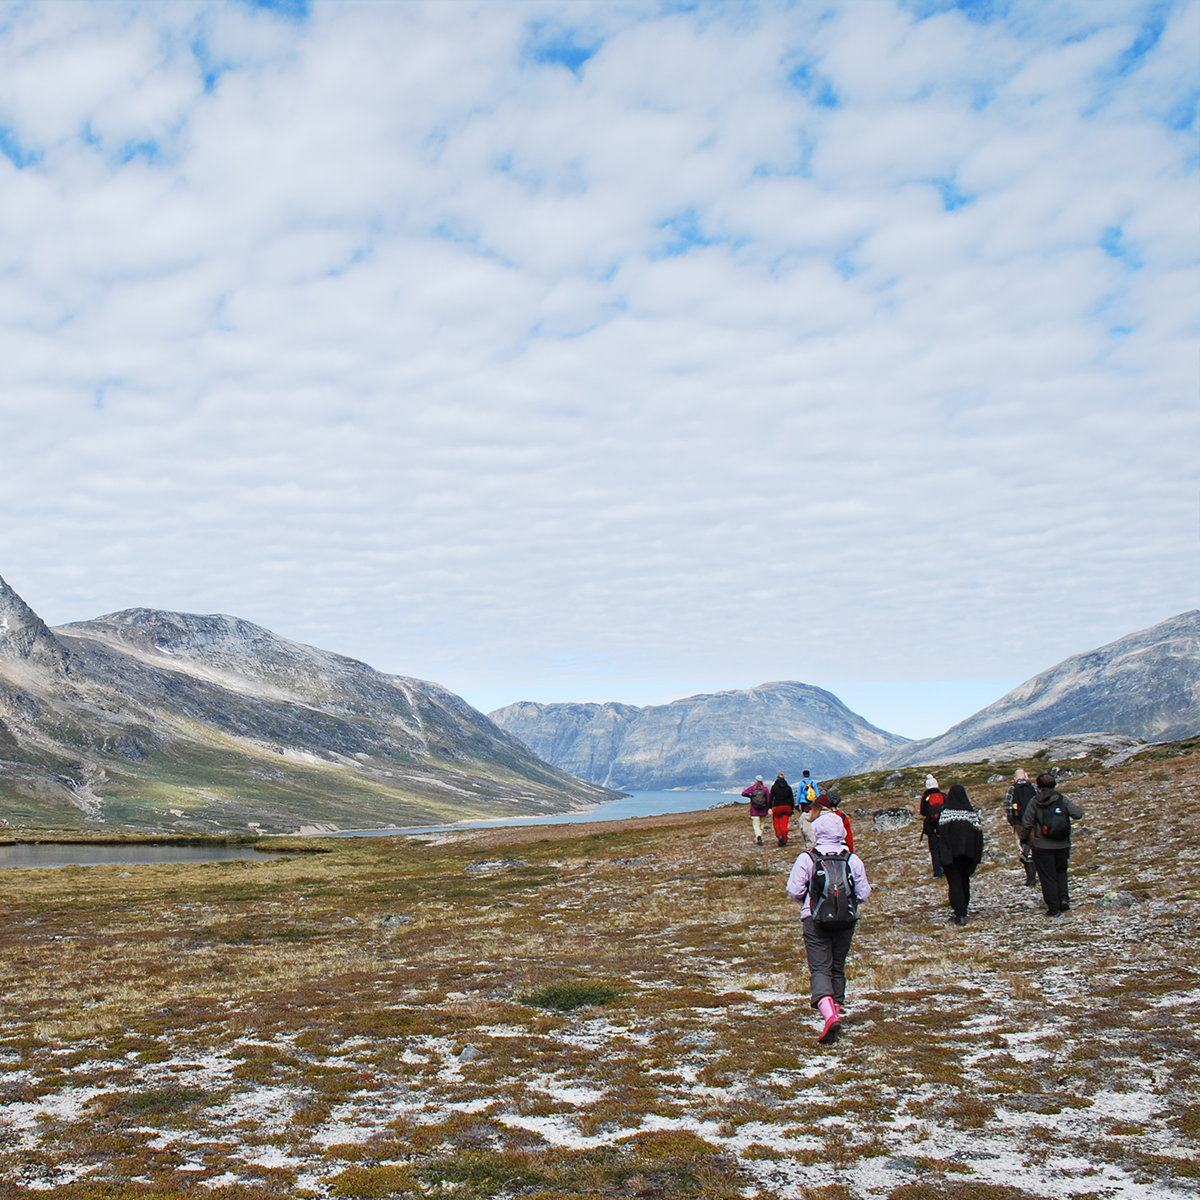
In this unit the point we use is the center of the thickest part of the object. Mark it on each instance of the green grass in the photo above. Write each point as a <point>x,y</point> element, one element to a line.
<point>567,996</point>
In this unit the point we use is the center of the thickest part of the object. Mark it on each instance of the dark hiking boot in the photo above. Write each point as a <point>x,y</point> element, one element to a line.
<point>962,920</point>
<point>758,841</point>
<point>779,841</point>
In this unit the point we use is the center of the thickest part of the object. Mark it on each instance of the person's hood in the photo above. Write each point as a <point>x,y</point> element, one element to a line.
<point>829,831</point>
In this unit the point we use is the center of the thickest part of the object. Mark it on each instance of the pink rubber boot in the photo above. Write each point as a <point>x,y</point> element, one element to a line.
<point>833,1024</point>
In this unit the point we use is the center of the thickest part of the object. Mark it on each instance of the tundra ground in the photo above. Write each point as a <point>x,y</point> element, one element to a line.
<point>362,1022</point>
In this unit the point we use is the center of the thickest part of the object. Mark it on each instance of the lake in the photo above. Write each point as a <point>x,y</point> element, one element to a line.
<point>635,804</point>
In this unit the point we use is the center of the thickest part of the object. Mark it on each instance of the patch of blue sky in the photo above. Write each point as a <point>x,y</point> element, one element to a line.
<point>211,69</point>
<point>818,89</point>
<point>1182,114</point>
<point>1113,243</point>
<point>554,45</point>
<point>953,197</point>
<point>11,148</point>
<point>686,234</point>
<point>981,12</point>
<point>289,10</point>
<point>149,150</point>
<point>1148,37</point>
<point>845,265</point>
<point>99,394</point>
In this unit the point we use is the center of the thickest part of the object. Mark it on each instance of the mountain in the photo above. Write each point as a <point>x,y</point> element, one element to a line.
<point>176,721</point>
<point>1146,685</point>
<point>711,741</point>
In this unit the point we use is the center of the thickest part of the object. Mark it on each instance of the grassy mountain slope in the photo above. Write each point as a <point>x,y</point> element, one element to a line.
<point>176,721</point>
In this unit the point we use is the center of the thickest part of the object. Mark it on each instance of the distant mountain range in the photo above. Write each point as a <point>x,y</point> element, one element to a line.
<point>1145,685</point>
<point>208,723</point>
<point>711,741</point>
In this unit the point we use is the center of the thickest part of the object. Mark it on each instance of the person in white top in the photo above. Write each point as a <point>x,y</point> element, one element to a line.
<point>828,882</point>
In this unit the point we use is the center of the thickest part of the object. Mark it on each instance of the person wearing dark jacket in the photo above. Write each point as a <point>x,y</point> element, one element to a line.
<point>1016,801</point>
<point>931,809</point>
<point>961,836</point>
<point>1051,846</point>
<point>783,803</point>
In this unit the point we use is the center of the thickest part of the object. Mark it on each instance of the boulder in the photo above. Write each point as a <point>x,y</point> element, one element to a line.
<point>893,818</point>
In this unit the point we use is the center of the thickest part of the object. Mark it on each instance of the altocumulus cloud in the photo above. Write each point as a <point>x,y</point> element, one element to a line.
<point>606,348</point>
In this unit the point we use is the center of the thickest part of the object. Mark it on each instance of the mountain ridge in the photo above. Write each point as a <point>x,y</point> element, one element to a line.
<point>202,722</point>
<point>1145,685</point>
<point>712,740</point>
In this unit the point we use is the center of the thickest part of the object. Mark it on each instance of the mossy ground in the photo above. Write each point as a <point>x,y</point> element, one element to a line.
<point>351,1023</point>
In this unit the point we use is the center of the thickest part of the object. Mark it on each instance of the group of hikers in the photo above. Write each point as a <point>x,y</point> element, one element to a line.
<point>829,880</point>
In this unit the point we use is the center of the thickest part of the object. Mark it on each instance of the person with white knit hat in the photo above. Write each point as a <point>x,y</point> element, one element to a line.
<point>932,803</point>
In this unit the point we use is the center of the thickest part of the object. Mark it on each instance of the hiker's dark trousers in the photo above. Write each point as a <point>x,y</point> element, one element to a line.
<point>827,950</point>
<point>1052,871</point>
<point>958,881</point>
<point>935,854</point>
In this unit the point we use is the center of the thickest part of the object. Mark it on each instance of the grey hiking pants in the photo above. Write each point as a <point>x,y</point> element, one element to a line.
<point>827,950</point>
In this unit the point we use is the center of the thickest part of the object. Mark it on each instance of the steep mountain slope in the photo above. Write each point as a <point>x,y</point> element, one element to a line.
<point>172,720</point>
<point>707,741</point>
<point>1146,685</point>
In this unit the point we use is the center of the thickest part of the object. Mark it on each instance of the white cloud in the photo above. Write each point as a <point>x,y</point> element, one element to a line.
<point>761,343</point>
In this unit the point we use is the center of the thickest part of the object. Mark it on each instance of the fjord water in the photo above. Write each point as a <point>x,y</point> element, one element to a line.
<point>84,855</point>
<point>634,804</point>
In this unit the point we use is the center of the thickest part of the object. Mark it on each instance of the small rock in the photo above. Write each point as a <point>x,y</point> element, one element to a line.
<point>893,818</point>
<point>895,779</point>
<point>395,919</point>
<point>491,865</point>
<point>469,1054</point>
<point>995,779</point>
<point>1116,899</point>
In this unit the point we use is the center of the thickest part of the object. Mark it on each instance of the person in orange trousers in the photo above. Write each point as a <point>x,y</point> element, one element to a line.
<point>783,804</point>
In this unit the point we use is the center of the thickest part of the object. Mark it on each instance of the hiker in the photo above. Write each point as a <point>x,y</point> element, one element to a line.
<point>783,803</point>
<point>1047,827</point>
<point>806,792</point>
<point>1016,800</point>
<point>960,837</point>
<point>931,808</point>
<point>835,805</point>
<point>828,882</point>
<point>760,805</point>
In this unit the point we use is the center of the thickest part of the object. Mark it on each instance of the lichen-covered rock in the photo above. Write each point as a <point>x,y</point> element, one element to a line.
<point>893,818</point>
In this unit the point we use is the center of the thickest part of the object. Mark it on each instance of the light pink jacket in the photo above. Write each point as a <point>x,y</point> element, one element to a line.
<point>831,839</point>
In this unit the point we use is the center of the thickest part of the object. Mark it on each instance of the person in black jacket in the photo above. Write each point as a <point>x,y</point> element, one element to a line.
<point>961,836</point>
<point>1051,846</point>
<point>1016,800</point>
<point>783,803</point>
<point>931,809</point>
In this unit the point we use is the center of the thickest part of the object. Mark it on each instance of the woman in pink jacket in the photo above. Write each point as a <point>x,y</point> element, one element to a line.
<point>828,919</point>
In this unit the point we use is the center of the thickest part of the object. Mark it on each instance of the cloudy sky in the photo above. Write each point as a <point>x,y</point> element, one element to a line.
<point>613,350</point>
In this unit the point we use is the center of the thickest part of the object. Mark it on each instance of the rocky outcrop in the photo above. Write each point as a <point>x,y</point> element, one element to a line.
<point>709,741</point>
<point>179,720</point>
<point>1144,687</point>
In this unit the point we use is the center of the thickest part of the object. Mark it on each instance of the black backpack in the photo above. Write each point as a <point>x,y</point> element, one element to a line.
<point>1023,792</point>
<point>831,891</point>
<point>1055,821</point>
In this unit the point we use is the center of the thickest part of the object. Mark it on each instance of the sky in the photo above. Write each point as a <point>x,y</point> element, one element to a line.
<point>613,351</point>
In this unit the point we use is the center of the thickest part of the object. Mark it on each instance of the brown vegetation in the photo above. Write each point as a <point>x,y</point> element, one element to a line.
<point>379,1021</point>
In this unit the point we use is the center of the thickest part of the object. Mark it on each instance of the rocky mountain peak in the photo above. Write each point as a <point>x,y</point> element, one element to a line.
<point>24,635</point>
